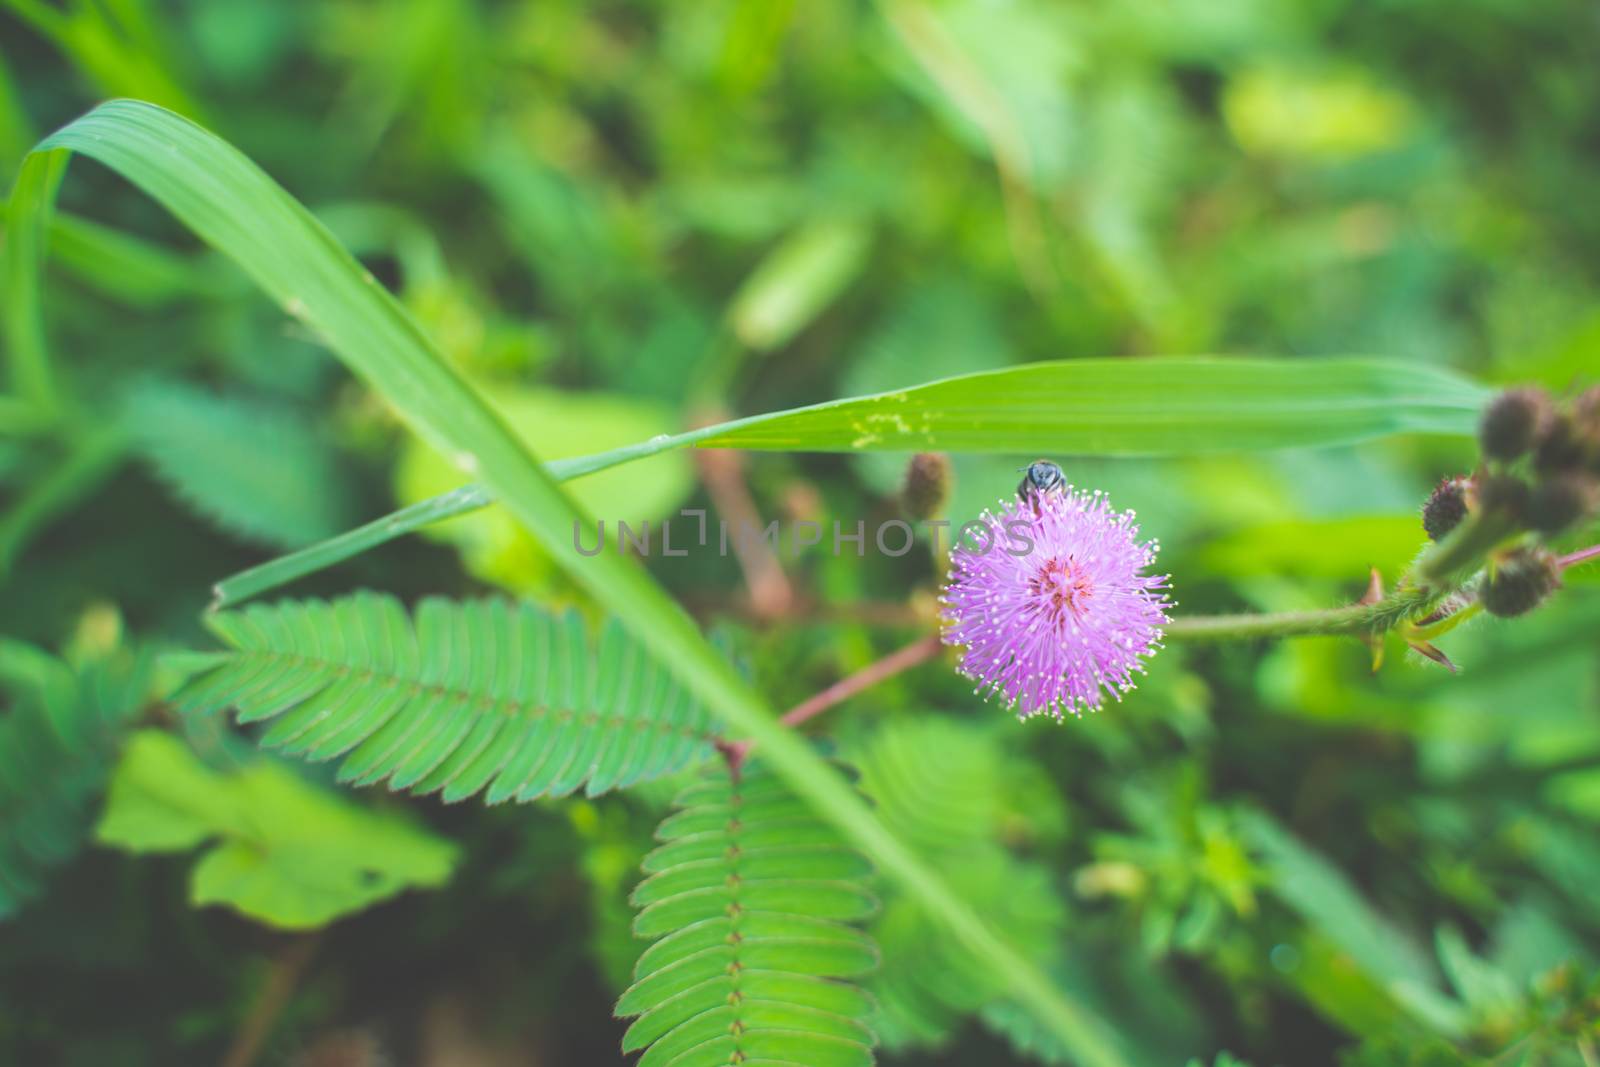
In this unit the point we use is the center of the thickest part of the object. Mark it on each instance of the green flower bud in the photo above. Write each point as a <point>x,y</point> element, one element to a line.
<point>1512,422</point>
<point>927,485</point>
<point>1519,582</point>
<point>1446,507</point>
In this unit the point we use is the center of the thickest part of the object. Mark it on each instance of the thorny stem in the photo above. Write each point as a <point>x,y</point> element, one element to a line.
<point>919,651</point>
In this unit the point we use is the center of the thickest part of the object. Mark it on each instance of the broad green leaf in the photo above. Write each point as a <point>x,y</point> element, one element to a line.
<point>235,207</point>
<point>286,852</point>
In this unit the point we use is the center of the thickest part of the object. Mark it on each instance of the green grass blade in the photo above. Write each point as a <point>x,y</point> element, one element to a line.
<point>296,565</point>
<point>235,207</point>
<point>1129,407</point>
<point>27,219</point>
<point>1106,407</point>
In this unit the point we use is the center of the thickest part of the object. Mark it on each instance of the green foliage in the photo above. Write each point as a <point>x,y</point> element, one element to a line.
<point>58,739</point>
<point>482,696</point>
<point>281,850</point>
<point>795,282</point>
<point>747,901</point>
<point>556,424</point>
<point>701,211</point>
<point>252,467</point>
<point>1184,865</point>
<point>954,794</point>
<point>1337,911</point>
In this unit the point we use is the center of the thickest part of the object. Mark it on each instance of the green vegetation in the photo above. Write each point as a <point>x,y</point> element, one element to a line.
<point>337,334</point>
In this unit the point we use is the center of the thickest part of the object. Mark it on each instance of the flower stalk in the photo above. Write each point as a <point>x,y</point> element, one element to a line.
<point>1439,571</point>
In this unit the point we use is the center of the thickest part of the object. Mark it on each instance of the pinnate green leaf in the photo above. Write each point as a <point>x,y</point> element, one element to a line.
<point>753,937</point>
<point>485,696</point>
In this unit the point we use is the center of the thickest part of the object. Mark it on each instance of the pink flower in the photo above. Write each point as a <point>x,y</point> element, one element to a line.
<point>1056,611</point>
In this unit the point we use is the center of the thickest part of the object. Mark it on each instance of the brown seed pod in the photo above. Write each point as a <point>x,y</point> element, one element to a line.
<point>1519,582</point>
<point>1512,423</point>
<point>927,485</point>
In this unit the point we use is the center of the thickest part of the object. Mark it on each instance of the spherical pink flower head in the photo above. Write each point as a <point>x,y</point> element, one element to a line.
<point>1053,607</point>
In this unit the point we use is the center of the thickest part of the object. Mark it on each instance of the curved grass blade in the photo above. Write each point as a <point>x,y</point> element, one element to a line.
<point>1106,407</point>
<point>235,207</point>
<point>285,569</point>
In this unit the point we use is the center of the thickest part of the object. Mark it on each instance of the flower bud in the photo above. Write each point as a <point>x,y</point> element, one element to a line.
<point>927,485</point>
<point>1512,421</point>
<point>1559,501</point>
<point>1559,447</point>
<point>1445,507</point>
<point>1519,582</point>
<point>1502,494</point>
<point>1586,424</point>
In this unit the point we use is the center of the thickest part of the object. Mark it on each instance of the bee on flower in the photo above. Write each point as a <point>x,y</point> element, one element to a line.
<point>1054,629</point>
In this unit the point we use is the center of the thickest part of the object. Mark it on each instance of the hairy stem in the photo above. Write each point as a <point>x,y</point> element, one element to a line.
<point>1351,619</point>
<point>1438,572</point>
<point>1459,555</point>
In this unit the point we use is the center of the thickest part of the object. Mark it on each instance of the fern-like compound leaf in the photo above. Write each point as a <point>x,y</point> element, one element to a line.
<point>484,696</point>
<point>253,467</point>
<point>750,898</point>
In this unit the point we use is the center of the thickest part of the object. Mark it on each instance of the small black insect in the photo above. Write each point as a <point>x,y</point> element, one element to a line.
<point>1042,477</point>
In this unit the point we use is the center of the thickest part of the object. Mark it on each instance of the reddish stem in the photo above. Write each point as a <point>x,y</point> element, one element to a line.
<point>771,595</point>
<point>1583,555</point>
<point>919,651</point>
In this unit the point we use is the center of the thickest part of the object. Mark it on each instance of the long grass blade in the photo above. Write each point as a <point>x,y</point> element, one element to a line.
<point>1106,407</point>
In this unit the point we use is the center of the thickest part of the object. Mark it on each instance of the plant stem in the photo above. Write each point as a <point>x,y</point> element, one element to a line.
<point>270,1001</point>
<point>919,651</point>
<point>1351,619</point>
<point>1439,570</point>
<point>722,472</point>
<point>1583,555</point>
<point>1462,552</point>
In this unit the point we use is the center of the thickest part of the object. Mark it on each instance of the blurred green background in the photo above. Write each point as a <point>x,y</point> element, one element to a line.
<point>622,219</point>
